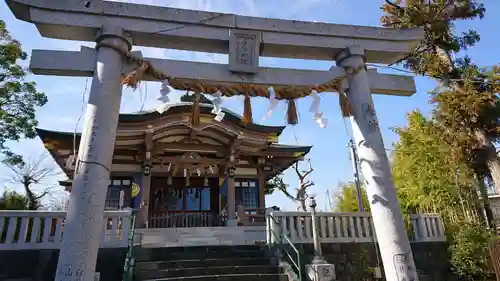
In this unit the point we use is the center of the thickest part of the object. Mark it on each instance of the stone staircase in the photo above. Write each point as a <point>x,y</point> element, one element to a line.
<point>207,263</point>
<point>5,278</point>
<point>199,236</point>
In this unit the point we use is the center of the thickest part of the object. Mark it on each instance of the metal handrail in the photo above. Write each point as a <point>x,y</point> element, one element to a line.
<point>128,269</point>
<point>281,248</point>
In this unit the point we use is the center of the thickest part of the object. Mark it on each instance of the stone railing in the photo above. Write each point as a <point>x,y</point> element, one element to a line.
<point>345,227</point>
<point>428,228</point>
<point>22,230</point>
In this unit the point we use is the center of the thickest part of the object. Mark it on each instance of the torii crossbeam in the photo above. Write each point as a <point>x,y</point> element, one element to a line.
<point>82,63</point>
<point>115,27</point>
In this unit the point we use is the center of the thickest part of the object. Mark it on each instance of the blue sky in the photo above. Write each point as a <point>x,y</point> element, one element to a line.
<point>329,155</point>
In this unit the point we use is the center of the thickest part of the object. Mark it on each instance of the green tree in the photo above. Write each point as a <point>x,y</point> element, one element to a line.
<point>18,98</point>
<point>466,101</point>
<point>432,175</point>
<point>472,112</point>
<point>434,55</point>
<point>347,198</point>
<point>469,253</point>
<point>466,115</point>
<point>11,200</point>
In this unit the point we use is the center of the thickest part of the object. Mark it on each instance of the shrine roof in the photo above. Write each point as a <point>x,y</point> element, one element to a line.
<point>173,135</point>
<point>68,136</point>
<point>186,107</point>
<point>175,108</point>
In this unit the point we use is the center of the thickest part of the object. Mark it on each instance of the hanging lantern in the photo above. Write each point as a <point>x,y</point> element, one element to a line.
<point>169,180</point>
<point>146,169</point>
<point>205,181</point>
<point>187,181</point>
<point>232,172</point>
<point>261,161</point>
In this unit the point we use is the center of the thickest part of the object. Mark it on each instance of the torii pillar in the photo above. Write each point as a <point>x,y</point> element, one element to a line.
<point>388,221</point>
<point>84,220</point>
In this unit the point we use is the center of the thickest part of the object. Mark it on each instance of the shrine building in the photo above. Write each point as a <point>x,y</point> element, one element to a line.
<point>176,174</point>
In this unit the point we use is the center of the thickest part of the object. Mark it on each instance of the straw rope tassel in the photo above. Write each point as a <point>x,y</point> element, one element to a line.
<point>292,116</point>
<point>247,111</point>
<point>133,78</point>
<point>196,110</point>
<point>345,105</point>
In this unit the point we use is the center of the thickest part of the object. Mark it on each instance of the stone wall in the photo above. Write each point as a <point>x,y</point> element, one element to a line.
<point>40,265</point>
<point>355,261</point>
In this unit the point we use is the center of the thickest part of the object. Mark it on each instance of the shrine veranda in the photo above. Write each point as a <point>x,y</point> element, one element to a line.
<point>233,148</point>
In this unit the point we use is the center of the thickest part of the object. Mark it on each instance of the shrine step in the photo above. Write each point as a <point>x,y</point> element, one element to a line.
<point>200,252</point>
<point>177,264</point>
<point>229,277</point>
<point>208,271</point>
<point>226,263</point>
<point>200,236</point>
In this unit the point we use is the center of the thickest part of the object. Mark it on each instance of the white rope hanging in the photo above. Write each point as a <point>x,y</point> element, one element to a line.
<point>217,102</point>
<point>273,102</point>
<point>315,108</point>
<point>164,100</point>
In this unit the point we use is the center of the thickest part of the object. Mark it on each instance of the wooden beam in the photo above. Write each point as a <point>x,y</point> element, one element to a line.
<point>82,63</point>
<point>161,147</point>
<point>233,152</point>
<point>192,134</point>
<point>202,160</point>
<point>148,140</point>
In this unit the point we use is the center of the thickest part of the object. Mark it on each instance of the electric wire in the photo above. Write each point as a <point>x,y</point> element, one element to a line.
<point>80,116</point>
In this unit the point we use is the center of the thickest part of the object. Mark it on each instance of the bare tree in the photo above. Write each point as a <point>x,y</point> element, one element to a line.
<point>59,203</point>
<point>33,175</point>
<point>301,195</point>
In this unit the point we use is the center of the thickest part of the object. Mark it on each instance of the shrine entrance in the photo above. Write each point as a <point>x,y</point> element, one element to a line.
<point>177,202</point>
<point>116,28</point>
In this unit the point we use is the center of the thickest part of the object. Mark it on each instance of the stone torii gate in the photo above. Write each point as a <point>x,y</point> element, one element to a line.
<point>115,27</point>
